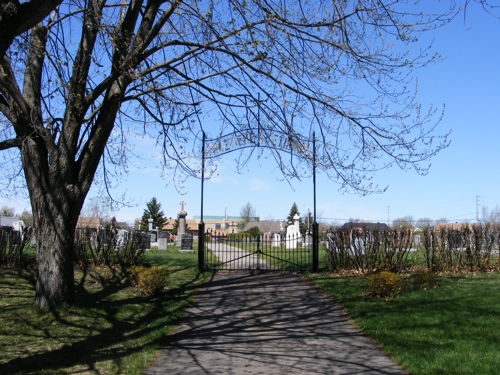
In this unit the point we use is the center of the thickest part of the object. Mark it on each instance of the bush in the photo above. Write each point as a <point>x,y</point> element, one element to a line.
<point>149,280</point>
<point>254,232</point>
<point>384,284</point>
<point>98,248</point>
<point>13,246</point>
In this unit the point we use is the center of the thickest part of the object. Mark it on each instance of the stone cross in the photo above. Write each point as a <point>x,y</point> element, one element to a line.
<point>182,205</point>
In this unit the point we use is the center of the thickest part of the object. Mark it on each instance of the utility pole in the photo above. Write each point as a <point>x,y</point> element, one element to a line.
<point>477,208</point>
<point>308,214</point>
<point>388,214</point>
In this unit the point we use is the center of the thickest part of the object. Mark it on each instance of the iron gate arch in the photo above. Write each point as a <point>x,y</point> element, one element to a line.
<point>234,142</point>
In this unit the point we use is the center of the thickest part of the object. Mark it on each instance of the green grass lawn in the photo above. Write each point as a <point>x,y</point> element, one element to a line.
<point>111,329</point>
<point>453,328</point>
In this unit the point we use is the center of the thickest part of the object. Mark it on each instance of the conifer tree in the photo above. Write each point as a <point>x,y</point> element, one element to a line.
<point>308,222</point>
<point>295,211</point>
<point>153,210</point>
<point>175,227</point>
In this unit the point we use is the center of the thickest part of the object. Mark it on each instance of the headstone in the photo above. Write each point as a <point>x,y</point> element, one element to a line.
<point>329,242</point>
<point>266,238</point>
<point>152,236</point>
<point>291,240</point>
<point>293,233</point>
<point>417,240</point>
<point>143,239</point>
<point>163,240</point>
<point>276,240</point>
<point>187,242</point>
<point>181,229</point>
<point>308,241</point>
<point>121,238</point>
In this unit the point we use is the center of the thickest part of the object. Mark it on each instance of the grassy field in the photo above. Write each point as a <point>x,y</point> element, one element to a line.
<point>111,329</point>
<point>450,327</point>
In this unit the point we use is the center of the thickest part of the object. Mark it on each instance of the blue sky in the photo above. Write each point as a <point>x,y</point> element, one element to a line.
<point>467,82</point>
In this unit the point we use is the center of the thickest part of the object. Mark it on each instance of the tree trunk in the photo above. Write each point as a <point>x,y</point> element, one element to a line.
<point>56,204</point>
<point>55,278</point>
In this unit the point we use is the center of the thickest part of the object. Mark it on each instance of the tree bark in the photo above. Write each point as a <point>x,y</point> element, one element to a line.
<point>55,278</point>
<point>55,211</point>
<point>17,17</point>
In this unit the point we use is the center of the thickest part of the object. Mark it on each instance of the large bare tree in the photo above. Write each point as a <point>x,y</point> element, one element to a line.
<point>17,17</point>
<point>80,84</point>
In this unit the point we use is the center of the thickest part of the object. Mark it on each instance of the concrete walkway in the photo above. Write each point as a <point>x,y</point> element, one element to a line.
<point>267,323</point>
<point>234,258</point>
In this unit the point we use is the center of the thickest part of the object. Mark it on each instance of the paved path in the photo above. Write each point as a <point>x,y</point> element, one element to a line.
<point>267,323</point>
<point>235,258</point>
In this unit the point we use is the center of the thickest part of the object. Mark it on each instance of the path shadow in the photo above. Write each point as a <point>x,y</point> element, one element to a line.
<point>267,323</point>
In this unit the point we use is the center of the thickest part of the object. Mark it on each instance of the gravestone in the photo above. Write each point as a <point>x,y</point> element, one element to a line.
<point>163,240</point>
<point>152,237</point>
<point>276,240</point>
<point>187,242</point>
<point>121,238</point>
<point>142,239</point>
<point>417,240</point>
<point>308,241</point>
<point>181,229</point>
<point>293,233</point>
<point>291,240</point>
<point>266,238</point>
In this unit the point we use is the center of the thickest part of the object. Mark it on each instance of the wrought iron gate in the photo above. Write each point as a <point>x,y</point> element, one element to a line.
<point>236,253</point>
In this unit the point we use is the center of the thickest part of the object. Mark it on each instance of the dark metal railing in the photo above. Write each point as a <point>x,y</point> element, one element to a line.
<point>270,253</point>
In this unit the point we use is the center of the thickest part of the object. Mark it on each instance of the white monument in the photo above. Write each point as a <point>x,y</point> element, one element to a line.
<point>276,240</point>
<point>181,229</point>
<point>293,233</point>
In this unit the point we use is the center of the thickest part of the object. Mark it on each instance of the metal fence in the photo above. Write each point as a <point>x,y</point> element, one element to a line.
<point>272,253</point>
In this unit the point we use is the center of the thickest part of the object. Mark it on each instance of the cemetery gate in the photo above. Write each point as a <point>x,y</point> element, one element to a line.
<point>286,253</point>
<point>263,253</point>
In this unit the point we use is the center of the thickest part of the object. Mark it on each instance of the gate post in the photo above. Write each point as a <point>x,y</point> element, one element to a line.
<point>315,256</point>
<point>201,225</point>
<point>315,264</point>
<point>201,246</point>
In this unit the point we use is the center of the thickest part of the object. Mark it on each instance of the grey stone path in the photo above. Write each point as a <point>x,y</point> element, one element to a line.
<point>237,259</point>
<point>267,323</point>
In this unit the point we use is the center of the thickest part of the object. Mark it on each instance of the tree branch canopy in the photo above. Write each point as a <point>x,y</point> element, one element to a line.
<point>342,69</point>
<point>78,86</point>
<point>17,18</point>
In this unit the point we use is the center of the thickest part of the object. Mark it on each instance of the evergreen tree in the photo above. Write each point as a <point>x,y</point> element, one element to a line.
<point>308,222</point>
<point>153,210</point>
<point>295,211</point>
<point>254,232</point>
<point>175,227</point>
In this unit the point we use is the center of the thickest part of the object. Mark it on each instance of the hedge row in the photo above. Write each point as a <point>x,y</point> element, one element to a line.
<point>107,248</point>
<point>13,246</point>
<point>460,247</point>
<point>90,248</point>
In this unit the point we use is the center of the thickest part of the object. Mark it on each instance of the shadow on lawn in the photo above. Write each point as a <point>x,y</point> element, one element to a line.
<point>459,311</point>
<point>106,325</point>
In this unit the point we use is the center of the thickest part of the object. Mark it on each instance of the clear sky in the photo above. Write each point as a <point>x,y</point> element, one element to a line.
<point>466,173</point>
